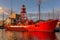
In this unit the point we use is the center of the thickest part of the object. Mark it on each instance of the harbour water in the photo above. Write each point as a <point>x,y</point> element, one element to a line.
<point>8,35</point>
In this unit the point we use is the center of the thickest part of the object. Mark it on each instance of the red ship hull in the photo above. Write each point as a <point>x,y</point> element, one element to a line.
<point>42,30</point>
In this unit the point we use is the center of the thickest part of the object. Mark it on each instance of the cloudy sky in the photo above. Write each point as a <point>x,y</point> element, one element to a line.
<point>31,5</point>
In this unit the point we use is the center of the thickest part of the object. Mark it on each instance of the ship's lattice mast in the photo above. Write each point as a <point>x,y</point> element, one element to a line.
<point>23,14</point>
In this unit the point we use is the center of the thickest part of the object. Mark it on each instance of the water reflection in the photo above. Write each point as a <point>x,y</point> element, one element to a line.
<point>14,35</point>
